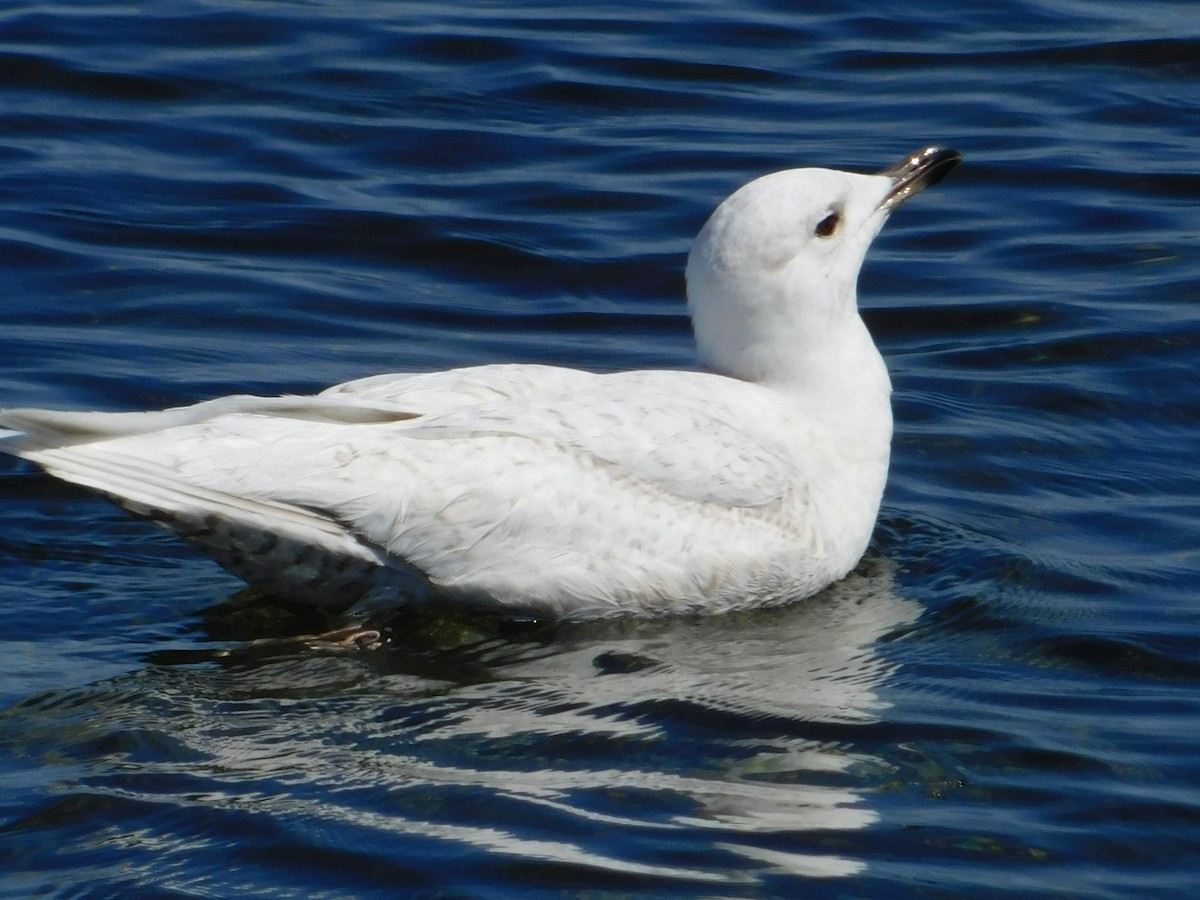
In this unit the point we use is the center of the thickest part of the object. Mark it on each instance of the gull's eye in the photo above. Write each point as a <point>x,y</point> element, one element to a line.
<point>828,225</point>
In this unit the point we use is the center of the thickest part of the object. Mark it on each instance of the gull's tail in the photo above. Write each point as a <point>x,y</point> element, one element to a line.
<point>43,428</point>
<point>279,547</point>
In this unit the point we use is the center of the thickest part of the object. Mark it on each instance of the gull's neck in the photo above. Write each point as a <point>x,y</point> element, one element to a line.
<point>823,357</point>
<point>835,392</point>
<point>841,382</point>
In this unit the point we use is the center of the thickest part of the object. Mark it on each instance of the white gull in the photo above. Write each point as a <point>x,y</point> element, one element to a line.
<point>552,491</point>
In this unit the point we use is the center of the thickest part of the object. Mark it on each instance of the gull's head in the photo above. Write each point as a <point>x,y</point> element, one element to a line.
<point>772,275</point>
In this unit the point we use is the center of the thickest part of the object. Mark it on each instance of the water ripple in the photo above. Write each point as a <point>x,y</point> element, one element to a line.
<point>216,197</point>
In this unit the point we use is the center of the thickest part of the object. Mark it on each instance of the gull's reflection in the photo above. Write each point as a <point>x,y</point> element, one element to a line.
<point>712,750</point>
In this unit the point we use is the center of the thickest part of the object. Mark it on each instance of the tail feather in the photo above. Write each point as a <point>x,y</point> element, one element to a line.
<point>281,548</point>
<point>36,429</point>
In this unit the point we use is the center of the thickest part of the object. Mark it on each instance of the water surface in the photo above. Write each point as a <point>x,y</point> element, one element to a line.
<point>209,197</point>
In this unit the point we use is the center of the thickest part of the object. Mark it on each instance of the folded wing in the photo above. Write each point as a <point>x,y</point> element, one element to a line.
<point>498,484</point>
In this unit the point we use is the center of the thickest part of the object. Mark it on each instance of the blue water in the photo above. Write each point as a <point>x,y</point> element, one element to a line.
<point>207,197</point>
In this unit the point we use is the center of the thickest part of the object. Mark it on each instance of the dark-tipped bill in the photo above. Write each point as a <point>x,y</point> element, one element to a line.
<point>916,172</point>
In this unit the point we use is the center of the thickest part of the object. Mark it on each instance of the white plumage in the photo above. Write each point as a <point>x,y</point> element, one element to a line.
<point>552,491</point>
